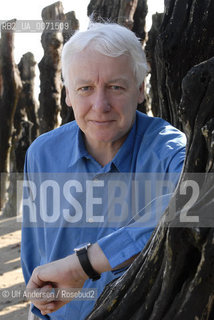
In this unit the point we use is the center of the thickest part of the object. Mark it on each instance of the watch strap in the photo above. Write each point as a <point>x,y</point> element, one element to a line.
<point>86,264</point>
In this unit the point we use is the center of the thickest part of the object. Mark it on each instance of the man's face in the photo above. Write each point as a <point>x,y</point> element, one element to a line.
<point>104,94</point>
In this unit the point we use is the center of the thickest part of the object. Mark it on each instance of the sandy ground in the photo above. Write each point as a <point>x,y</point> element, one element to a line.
<point>13,306</point>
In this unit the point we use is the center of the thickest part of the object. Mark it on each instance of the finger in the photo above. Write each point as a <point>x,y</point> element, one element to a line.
<point>39,293</point>
<point>35,281</point>
<point>51,307</point>
<point>48,308</point>
<point>47,293</point>
<point>42,296</point>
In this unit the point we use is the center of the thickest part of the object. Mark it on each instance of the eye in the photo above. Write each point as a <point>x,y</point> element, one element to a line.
<point>84,89</point>
<point>116,88</point>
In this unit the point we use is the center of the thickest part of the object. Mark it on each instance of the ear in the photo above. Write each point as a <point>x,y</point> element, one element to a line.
<point>141,93</point>
<point>67,97</point>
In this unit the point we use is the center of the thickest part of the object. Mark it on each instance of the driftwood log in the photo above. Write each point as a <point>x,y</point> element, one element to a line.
<point>25,131</point>
<point>151,58</point>
<point>10,88</point>
<point>73,25</point>
<point>173,276</point>
<point>131,13</point>
<point>185,39</point>
<point>50,69</point>
<point>27,105</point>
<point>66,113</point>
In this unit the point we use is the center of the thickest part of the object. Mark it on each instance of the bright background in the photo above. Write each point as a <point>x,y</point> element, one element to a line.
<point>31,10</point>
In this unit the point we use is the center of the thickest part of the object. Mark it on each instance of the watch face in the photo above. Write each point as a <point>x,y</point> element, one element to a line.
<point>82,246</point>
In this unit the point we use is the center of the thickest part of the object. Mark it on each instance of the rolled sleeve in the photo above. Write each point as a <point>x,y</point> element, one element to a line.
<point>129,240</point>
<point>124,243</point>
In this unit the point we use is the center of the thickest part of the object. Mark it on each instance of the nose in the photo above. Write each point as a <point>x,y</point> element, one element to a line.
<point>100,101</point>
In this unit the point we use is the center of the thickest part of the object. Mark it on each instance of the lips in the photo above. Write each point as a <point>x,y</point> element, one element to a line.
<point>98,122</point>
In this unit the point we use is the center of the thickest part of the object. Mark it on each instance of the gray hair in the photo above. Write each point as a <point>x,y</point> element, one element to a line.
<point>111,40</point>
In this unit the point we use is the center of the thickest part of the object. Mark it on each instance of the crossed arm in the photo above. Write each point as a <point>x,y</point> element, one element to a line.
<point>66,273</point>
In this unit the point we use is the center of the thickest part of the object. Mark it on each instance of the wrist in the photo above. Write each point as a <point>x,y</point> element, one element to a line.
<point>75,269</point>
<point>98,259</point>
<point>94,256</point>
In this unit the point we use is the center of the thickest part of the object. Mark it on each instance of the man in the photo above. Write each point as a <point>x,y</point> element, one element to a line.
<point>104,70</point>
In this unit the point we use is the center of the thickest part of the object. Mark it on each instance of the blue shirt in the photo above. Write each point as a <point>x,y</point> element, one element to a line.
<point>75,200</point>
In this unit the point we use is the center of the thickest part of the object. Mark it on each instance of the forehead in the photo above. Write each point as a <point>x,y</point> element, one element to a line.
<point>90,63</point>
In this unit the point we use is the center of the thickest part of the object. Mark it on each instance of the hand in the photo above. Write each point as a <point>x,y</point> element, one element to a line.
<point>62,274</point>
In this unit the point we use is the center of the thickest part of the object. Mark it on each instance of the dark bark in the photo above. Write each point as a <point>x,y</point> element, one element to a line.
<point>150,54</point>
<point>140,19</point>
<point>186,38</point>
<point>173,276</point>
<point>10,90</point>
<point>66,113</point>
<point>27,105</point>
<point>73,23</point>
<point>104,10</point>
<point>50,70</point>
<point>130,13</point>
<point>25,131</point>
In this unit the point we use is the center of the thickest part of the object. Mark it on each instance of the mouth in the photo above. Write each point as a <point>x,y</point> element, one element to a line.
<point>100,123</point>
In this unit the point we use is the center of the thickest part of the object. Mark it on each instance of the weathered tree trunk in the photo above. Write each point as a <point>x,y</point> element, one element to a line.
<point>151,58</point>
<point>173,276</point>
<point>25,131</point>
<point>27,105</point>
<point>186,38</point>
<point>131,13</point>
<point>50,69</point>
<point>71,25</point>
<point>66,113</point>
<point>9,90</point>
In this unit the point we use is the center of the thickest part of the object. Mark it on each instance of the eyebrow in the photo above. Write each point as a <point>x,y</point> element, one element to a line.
<point>114,80</point>
<point>119,80</point>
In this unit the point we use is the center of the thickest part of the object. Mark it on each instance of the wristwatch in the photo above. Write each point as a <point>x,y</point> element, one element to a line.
<point>82,253</point>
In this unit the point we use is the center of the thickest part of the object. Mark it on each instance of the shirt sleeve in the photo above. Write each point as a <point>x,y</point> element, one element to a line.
<point>173,149</point>
<point>129,240</point>
<point>30,252</point>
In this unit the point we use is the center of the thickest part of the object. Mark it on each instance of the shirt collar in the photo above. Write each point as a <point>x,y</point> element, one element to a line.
<point>122,160</point>
<point>78,148</point>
